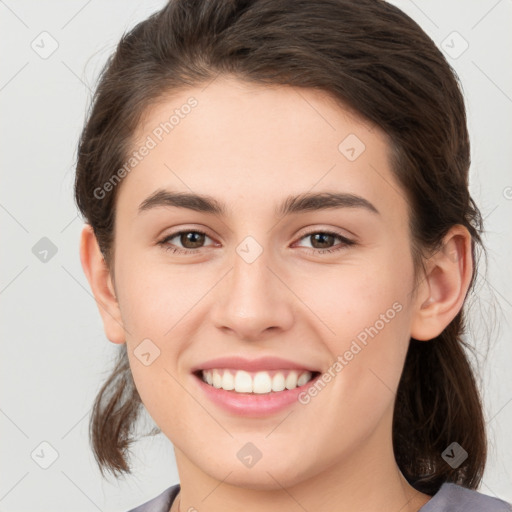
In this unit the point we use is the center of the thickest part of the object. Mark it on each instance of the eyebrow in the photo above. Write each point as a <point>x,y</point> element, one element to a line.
<point>292,204</point>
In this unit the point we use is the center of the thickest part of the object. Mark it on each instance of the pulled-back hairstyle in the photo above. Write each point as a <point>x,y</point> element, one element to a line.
<point>373,59</point>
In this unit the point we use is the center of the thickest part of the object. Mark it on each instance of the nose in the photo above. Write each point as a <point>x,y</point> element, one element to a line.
<point>253,301</point>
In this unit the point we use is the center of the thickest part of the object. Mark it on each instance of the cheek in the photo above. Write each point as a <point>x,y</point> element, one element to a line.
<point>158,303</point>
<point>154,297</point>
<point>354,298</point>
<point>369,312</point>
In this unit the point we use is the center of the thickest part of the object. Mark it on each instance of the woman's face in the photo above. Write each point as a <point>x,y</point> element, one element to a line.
<point>279,285</point>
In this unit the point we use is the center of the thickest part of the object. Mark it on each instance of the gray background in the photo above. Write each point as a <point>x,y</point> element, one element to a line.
<point>54,352</point>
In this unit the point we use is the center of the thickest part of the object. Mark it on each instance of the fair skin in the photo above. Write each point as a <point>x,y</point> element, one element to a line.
<point>250,147</point>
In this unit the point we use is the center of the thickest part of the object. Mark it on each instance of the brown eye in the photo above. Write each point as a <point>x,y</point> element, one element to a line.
<point>322,240</point>
<point>191,239</point>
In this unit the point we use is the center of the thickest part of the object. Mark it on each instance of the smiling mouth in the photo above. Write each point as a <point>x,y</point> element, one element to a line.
<point>261,382</point>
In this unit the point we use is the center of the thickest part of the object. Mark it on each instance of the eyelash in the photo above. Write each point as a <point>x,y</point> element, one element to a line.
<point>176,250</point>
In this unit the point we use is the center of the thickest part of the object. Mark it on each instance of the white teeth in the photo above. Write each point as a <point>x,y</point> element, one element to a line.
<point>217,379</point>
<point>228,381</point>
<point>243,382</point>
<point>261,382</point>
<point>291,380</point>
<point>304,377</point>
<point>278,381</point>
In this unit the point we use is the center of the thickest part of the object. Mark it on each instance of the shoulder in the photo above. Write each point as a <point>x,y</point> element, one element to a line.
<point>455,498</point>
<point>160,503</point>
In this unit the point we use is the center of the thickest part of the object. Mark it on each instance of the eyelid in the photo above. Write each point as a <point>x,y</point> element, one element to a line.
<point>176,230</point>
<point>173,234</point>
<point>341,232</point>
<point>310,230</point>
<point>344,243</point>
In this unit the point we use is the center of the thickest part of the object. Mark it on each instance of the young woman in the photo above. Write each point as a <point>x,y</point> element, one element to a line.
<point>280,238</point>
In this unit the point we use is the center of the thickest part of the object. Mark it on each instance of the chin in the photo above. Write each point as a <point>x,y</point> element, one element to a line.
<point>269,475</point>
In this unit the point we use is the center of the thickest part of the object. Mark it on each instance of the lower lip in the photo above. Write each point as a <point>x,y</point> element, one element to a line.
<point>253,404</point>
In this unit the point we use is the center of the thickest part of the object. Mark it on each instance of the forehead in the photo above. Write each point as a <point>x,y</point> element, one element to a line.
<point>250,144</point>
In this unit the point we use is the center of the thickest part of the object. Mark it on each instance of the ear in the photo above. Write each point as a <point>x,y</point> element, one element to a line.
<point>442,292</point>
<point>100,281</point>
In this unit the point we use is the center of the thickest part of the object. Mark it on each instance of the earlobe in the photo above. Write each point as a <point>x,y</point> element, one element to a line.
<point>444,286</point>
<point>100,281</point>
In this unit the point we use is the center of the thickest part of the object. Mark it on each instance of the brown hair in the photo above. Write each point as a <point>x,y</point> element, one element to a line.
<point>375,60</point>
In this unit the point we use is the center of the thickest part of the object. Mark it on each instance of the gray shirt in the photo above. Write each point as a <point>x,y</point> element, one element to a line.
<point>449,498</point>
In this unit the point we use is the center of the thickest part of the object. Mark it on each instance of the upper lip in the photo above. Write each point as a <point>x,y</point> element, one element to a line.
<point>252,365</point>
